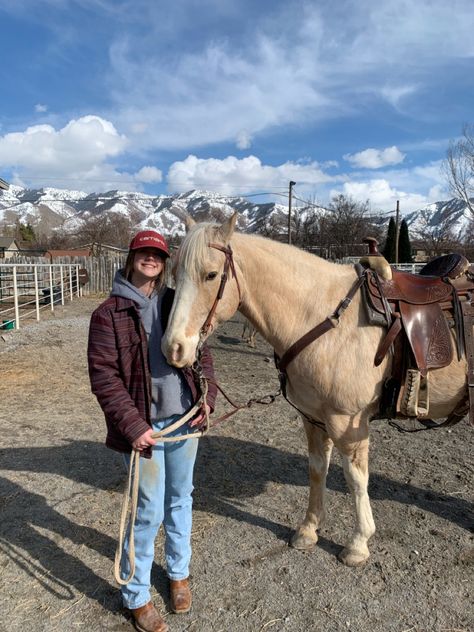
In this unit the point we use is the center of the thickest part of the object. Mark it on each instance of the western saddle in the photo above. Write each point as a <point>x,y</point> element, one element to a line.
<point>423,314</point>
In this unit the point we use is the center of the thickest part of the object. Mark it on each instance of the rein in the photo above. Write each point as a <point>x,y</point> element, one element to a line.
<point>326,325</point>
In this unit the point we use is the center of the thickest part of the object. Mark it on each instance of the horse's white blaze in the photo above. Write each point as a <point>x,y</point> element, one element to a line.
<point>179,342</point>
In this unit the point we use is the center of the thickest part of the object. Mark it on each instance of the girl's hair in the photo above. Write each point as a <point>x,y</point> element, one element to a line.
<point>128,270</point>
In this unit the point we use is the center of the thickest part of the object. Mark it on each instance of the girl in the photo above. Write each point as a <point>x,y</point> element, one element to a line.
<point>139,393</point>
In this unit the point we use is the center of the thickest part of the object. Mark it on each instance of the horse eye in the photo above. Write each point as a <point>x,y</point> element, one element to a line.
<point>210,276</point>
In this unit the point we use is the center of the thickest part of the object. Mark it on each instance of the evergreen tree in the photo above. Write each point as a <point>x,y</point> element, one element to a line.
<point>389,248</point>
<point>404,245</point>
<point>27,232</point>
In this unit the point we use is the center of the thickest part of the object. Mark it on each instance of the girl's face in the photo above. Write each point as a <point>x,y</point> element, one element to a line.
<point>148,264</point>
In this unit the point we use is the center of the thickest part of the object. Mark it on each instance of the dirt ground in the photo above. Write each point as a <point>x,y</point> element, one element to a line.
<point>61,493</point>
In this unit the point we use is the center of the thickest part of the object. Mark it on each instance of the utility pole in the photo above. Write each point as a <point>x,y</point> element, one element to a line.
<point>397,230</point>
<point>290,193</point>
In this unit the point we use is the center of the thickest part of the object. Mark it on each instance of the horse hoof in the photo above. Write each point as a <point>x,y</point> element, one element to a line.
<point>353,558</point>
<point>302,542</point>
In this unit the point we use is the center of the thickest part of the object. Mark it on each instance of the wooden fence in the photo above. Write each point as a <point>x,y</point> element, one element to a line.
<point>100,270</point>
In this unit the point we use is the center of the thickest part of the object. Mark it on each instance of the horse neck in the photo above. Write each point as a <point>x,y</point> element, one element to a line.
<point>286,291</point>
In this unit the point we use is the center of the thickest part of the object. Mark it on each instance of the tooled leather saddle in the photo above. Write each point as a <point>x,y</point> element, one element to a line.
<point>423,313</point>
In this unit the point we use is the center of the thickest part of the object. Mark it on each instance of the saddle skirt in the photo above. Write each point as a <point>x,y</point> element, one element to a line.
<point>417,301</point>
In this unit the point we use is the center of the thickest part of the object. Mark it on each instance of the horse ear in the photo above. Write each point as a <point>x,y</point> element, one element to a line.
<point>228,227</point>
<point>189,222</point>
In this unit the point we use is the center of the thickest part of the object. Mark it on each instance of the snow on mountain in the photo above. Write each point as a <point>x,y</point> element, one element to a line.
<point>440,216</point>
<point>48,209</point>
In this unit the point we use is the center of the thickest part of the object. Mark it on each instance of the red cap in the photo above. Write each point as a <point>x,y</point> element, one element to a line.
<point>149,239</point>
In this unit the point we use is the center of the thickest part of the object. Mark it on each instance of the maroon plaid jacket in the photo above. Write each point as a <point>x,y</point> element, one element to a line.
<point>119,371</point>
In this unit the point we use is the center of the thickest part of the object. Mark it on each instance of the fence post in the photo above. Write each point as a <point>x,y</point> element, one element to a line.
<point>36,293</point>
<point>70,283</point>
<point>61,272</point>
<point>51,286</point>
<point>15,299</point>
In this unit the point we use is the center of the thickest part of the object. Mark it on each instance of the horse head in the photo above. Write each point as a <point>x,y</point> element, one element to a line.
<point>207,289</point>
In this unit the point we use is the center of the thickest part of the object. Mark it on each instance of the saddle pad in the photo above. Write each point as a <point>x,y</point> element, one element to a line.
<point>428,334</point>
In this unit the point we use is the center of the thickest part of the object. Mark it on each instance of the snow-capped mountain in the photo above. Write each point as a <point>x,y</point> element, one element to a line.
<point>452,215</point>
<point>49,209</point>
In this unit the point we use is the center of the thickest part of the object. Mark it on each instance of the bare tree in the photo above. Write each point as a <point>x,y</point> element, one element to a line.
<point>459,167</point>
<point>347,224</point>
<point>114,230</point>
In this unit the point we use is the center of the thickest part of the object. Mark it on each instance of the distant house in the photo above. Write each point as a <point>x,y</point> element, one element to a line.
<point>71,252</point>
<point>4,185</point>
<point>105,250</point>
<point>8,248</point>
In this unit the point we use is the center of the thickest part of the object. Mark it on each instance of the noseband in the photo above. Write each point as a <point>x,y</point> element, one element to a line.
<point>229,263</point>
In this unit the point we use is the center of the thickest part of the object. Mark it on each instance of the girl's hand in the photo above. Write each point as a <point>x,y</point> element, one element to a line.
<point>200,417</point>
<point>144,441</point>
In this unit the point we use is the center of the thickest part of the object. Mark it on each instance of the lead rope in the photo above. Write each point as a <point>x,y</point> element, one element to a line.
<point>130,495</point>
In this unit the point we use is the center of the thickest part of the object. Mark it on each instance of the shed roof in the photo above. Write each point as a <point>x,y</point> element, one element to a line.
<point>6,242</point>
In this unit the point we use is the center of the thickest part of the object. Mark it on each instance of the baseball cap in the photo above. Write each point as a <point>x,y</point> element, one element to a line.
<point>149,239</point>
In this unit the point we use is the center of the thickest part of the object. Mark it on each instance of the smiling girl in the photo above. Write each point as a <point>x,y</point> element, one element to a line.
<point>139,393</point>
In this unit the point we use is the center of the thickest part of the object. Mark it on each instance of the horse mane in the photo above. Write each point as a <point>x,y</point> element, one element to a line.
<point>194,250</point>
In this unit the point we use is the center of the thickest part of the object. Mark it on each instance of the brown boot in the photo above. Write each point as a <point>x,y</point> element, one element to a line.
<point>181,597</point>
<point>147,619</point>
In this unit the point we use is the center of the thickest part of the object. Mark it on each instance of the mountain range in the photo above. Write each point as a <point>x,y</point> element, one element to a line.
<point>49,209</point>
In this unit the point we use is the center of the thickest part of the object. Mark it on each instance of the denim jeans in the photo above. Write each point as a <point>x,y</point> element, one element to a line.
<point>164,497</point>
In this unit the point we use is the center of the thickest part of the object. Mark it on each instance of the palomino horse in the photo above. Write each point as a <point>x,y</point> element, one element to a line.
<point>284,292</point>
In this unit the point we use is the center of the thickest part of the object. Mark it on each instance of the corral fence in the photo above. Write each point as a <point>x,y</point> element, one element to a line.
<point>31,285</point>
<point>27,289</point>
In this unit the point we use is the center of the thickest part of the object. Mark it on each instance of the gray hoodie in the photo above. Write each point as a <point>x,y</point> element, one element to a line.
<point>171,394</point>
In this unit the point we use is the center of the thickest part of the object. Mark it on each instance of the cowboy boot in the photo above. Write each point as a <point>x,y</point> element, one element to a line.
<point>181,597</point>
<point>147,619</point>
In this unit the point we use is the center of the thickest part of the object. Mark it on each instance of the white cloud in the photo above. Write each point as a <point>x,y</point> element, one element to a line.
<point>244,140</point>
<point>149,175</point>
<point>382,195</point>
<point>319,68</point>
<point>233,175</point>
<point>78,152</point>
<point>375,158</point>
<point>80,144</point>
<point>40,107</point>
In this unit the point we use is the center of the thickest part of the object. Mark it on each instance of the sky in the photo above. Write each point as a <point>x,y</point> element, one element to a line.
<point>237,97</point>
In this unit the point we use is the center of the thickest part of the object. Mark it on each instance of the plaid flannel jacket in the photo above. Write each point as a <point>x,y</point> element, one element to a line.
<point>119,370</point>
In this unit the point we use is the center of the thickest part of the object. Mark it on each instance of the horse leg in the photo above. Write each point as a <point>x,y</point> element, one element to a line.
<point>356,472</point>
<point>319,451</point>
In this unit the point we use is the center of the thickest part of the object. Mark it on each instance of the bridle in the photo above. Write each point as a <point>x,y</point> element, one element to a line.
<point>228,264</point>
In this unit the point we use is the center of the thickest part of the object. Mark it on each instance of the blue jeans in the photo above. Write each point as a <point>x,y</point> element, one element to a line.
<point>165,496</point>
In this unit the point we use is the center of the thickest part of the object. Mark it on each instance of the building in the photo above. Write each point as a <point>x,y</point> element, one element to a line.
<point>8,248</point>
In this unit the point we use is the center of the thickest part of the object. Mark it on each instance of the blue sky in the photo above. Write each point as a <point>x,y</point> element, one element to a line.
<point>360,97</point>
